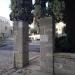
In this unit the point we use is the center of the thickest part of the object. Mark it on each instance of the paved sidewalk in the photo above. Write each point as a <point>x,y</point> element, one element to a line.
<point>32,69</point>
<point>6,59</point>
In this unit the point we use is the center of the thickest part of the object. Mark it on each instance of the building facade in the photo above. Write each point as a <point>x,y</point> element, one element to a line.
<point>5,28</point>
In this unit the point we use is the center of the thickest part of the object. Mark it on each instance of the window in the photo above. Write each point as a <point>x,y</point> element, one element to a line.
<point>5,27</point>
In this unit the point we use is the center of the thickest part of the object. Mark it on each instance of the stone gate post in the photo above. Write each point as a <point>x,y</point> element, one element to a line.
<point>46,44</point>
<point>21,56</point>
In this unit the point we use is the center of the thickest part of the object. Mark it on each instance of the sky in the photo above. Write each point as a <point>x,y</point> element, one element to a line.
<point>33,1</point>
<point>4,8</point>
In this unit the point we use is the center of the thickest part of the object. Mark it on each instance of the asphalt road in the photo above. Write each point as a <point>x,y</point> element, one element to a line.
<point>9,45</point>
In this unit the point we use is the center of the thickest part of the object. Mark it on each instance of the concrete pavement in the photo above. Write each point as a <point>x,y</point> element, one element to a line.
<point>6,59</point>
<point>32,69</point>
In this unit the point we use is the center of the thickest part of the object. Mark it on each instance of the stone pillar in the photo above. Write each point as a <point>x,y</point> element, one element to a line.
<point>46,45</point>
<point>21,57</point>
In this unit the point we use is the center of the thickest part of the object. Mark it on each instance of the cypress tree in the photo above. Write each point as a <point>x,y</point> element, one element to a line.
<point>21,10</point>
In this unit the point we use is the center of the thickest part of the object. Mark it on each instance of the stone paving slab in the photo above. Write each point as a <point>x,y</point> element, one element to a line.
<point>28,72</point>
<point>32,69</point>
<point>6,60</point>
<point>64,64</point>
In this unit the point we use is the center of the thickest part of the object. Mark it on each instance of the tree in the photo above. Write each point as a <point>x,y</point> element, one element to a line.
<point>21,10</point>
<point>70,23</point>
<point>58,9</point>
<point>63,10</point>
<point>55,8</point>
